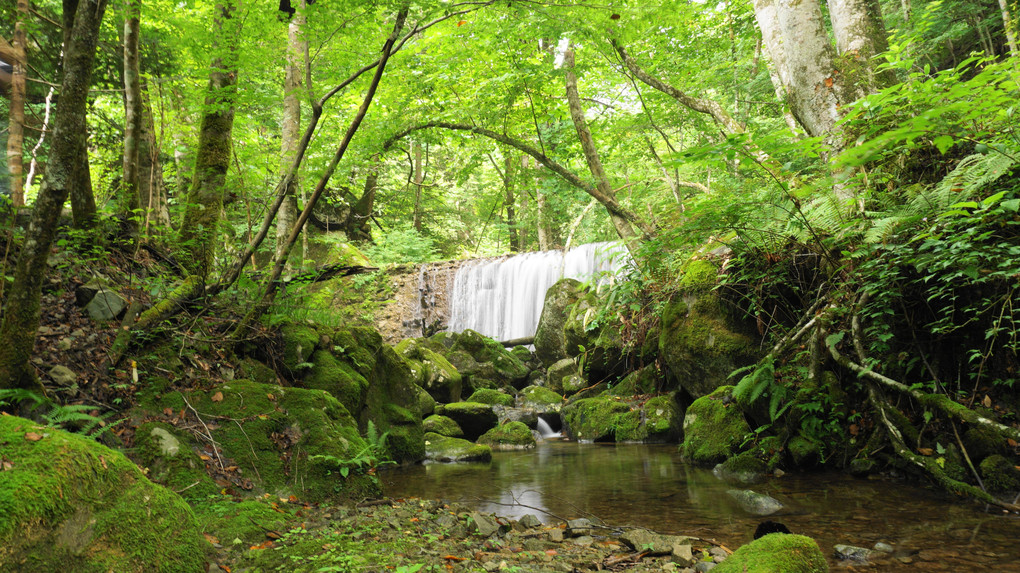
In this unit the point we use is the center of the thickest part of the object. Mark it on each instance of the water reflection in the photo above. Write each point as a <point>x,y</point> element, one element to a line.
<point>648,486</point>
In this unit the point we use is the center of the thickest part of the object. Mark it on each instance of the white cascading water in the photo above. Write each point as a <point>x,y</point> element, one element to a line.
<point>545,430</point>
<point>503,298</point>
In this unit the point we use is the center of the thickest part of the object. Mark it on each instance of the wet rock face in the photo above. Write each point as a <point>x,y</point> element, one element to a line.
<point>68,503</point>
<point>550,337</point>
<point>472,417</point>
<point>713,428</point>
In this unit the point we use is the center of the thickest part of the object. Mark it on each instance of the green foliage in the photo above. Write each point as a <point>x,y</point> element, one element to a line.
<point>366,460</point>
<point>402,245</point>
<point>77,418</point>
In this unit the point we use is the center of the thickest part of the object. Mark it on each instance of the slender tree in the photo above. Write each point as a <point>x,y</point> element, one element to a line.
<point>17,56</point>
<point>130,182</point>
<point>290,133</point>
<point>21,318</point>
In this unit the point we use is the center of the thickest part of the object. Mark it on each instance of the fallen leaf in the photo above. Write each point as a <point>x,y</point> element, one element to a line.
<point>273,535</point>
<point>987,401</point>
<point>292,499</point>
<point>230,469</point>
<point>854,429</point>
<point>204,457</point>
<point>6,466</point>
<point>168,411</point>
<point>271,397</point>
<point>217,397</point>
<point>102,461</point>
<point>33,437</point>
<point>461,23</point>
<point>925,451</point>
<point>210,538</point>
<point>614,17</point>
<point>454,558</point>
<point>828,82</point>
<point>1012,443</point>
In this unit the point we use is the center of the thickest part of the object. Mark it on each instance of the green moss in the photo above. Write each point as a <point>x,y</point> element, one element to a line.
<point>472,417</point>
<point>804,452</point>
<point>494,397</point>
<point>299,341</point>
<point>433,372</point>
<point>663,421</point>
<point>426,403</point>
<point>68,503</point>
<point>713,428</point>
<point>509,436</point>
<point>1000,474</point>
<point>641,381</point>
<point>338,378</point>
<point>357,346</point>
<point>540,398</point>
<point>594,419</point>
<point>245,521</point>
<point>392,404</point>
<point>776,553</point>
<point>981,443</point>
<point>550,338</point>
<point>251,369</point>
<point>505,368</point>
<point>698,274</point>
<point>442,425</point>
<point>444,449</point>
<point>171,459</point>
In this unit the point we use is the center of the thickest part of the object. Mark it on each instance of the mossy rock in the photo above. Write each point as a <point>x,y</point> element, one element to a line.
<point>473,417</point>
<point>558,371</point>
<point>338,378</point>
<point>540,399</point>
<point>299,342</point>
<point>526,356</point>
<point>509,436</point>
<point>492,397</point>
<point>641,381</point>
<point>701,342</point>
<point>493,361</point>
<point>68,503</point>
<point>804,452</point>
<point>776,553</point>
<point>251,369</point>
<point>392,404</point>
<point>1000,475</point>
<point>714,427</point>
<point>443,425</point>
<point>550,337</point>
<point>426,403</point>
<point>662,420</point>
<point>171,459</point>
<point>444,449</point>
<point>282,430</point>
<point>981,443</point>
<point>744,469</point>
<point>605,352</point>
<point>348,254</point>
<point>593,419</point>
<point>440,378</point>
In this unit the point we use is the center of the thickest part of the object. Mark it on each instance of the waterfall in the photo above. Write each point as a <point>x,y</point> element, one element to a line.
<point>545,430</point>
<point>503,298</point>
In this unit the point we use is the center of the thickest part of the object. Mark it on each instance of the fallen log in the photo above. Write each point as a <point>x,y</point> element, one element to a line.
<point>518,342</point>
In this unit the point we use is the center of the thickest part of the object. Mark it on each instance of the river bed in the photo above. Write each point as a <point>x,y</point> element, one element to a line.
<point>648,486</point>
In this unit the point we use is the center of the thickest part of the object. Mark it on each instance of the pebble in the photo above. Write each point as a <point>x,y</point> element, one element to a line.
<point>883,547</point>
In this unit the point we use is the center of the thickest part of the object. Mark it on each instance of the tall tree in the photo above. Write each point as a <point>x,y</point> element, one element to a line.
<point>21,318</point>
<point>290,133</point>
<point>79,185</point>
<point>17,56</point>
<point>130,182</point>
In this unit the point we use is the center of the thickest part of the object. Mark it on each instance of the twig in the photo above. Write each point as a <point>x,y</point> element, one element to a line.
<point>208,433</point>
<point>187,488</point>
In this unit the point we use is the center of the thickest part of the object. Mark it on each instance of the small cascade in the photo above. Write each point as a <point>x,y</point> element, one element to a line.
<point>503,298</point>
<point>546,430</point>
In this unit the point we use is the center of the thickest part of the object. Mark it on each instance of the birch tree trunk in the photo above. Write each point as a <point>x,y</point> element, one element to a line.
<point>16,129</point>
<point>129,199</point>
<point>21,317</point>
<point>860,36</point>
<point>291,128</point>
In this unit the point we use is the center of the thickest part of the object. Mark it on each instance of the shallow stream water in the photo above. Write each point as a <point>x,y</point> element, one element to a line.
<point>649,486</point>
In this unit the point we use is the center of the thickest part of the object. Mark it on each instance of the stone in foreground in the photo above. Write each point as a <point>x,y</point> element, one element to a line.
<point>776,553</point>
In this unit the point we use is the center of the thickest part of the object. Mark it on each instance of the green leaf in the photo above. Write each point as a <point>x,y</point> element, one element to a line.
<point>943,143</point>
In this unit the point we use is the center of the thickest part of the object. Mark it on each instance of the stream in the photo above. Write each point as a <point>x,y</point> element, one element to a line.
<point>648,486</point>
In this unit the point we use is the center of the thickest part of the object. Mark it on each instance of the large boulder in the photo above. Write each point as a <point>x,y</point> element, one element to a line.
<point>593,419</point>
<point>290,440</point>
<point>701,341</point>
<point>440,448</point>
<point>68,503</point>
<point>776,553</point>
<point>299,342</point>
<point>508,436</point>
<point>550,337</point>
<point>432,370</point>
<point>714,427</point>
<point>597,339</point>
<point>540,399</point>
<point>491,397</point>
<point>443,426</point>
<point>472,417</point>
<point>493,362</point>
<point>564,377</point>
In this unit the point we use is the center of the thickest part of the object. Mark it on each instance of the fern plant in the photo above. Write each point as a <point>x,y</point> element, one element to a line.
<point>75,418</point>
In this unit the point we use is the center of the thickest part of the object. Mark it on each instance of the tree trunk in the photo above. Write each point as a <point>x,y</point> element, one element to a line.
<point>358,226</point>
<point>205,198</point>
<point>151,191</point>
<point>79,184</point>
<point>21,318</point>
<point>860,36</point>
<point>623,227</point>
<point>542,227</point>
<point>1007,23</point>
<point>291,128</point>
<point>129,198</point>
<point>16,129</point>
<point>511,215</point>
<point>418,179</point>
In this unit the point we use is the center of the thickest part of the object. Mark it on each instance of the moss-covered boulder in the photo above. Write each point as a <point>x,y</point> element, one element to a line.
<point>493,362</point>
<point>661,420</point>
<point>550,337</point>
<point>240,524</point>
<point>641,381</point>
<point>444,449</point>
<point>981,443</point>
<point>491,397</point>
<point>1000,475</point>
<point>540,399</point>
<point>776,553</point>
<point>172,460</point>
<point>564,375</point>
<point>426,403</point>
<point>473,417</point>
<point>701,340</point>
<point>338,378</point>
<point>604,350</point>
<point>508,436</point>
<point>714,427</point>
<point>593,419</point>
<point>804,452</point>
<point>68,503</point>
<point>743,469</point>
<point>442,425</point>
<point>441,379</point>
<point>287,440</point>
<point>299,342</point>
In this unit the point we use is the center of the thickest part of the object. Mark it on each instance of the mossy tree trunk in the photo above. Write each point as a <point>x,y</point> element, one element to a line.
<point>129,201</point>
<point>79,184</point>
<point>212,160</point>
<point>21,317</point>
